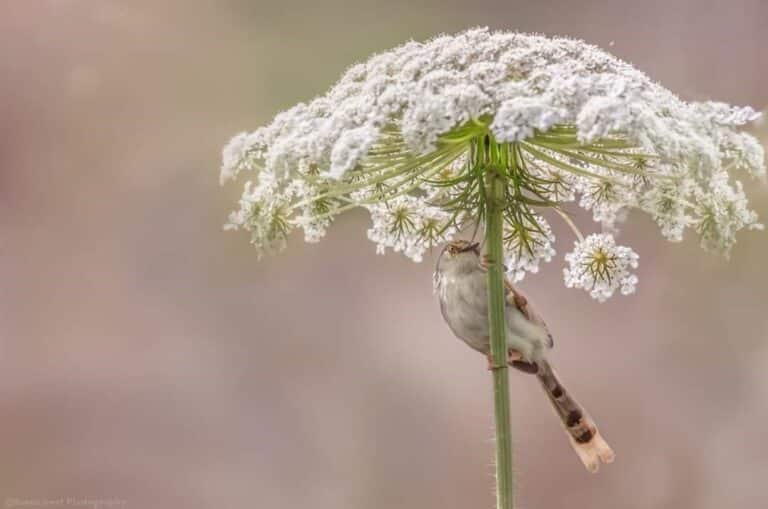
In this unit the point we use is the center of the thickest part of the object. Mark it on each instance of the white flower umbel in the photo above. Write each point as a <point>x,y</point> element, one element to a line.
<point>721,211</point>
<point>600,267</point>
<point>412,133</point>
<point>263,213</point>
<point>409,225</point>
<point>527,243</point>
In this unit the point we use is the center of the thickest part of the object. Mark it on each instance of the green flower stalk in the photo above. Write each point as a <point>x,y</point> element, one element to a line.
<point>497,130</point>
<point>494,211</point>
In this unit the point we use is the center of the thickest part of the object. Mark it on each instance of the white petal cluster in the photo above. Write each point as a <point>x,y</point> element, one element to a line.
<point>315,216</point>
<point>518,118</point>
<point>264,214</point>
<point>408,225</point>
<point>600,267</point>
<point>720,212</point>
<point>668,203</point>
<point>527,247</point>
<point>524,82</point>
<point>410,133</point>
<point>241,153</point>
<point>351,146</point>
<point>607,200</point>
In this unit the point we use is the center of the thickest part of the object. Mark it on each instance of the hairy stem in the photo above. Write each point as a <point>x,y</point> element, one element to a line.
<point>494,205</point>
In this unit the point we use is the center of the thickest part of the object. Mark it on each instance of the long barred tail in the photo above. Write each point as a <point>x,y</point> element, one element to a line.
<point>582,432</point>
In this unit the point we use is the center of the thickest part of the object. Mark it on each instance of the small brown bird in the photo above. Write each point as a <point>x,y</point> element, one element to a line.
<point>461,284</point>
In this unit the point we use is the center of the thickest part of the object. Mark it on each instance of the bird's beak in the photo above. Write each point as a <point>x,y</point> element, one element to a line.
<point>471,247</point>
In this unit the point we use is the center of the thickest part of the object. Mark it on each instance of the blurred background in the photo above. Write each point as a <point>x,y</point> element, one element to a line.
<point>146,356</point>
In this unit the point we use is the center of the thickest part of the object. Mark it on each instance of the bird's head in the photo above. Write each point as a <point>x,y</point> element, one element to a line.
<point>459,255</point>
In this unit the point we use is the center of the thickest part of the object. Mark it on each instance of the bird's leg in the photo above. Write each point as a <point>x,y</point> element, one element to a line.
<point>513,358</point>
<point>491,365</point>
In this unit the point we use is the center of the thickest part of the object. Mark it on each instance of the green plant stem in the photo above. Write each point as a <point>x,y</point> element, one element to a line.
<point>494,205</point>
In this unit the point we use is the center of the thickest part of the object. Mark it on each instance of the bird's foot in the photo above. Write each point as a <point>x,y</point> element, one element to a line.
<point>513,357</point>
<point>486,261</point>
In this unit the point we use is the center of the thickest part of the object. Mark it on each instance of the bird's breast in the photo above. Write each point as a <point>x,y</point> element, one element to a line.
<point>464,304</point>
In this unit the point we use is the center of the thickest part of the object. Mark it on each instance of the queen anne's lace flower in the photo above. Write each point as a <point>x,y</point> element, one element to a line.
<point>606,199</point>
<point>720,212</point>
<point>600,267</point>
<point>667,203</point>
<point>264,214</point>
<point>412,133</point>
<point>404,222</point>
<point>527,244</point>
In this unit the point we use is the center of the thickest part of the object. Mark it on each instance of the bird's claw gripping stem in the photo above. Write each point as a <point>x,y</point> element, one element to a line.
<point>512,356</point>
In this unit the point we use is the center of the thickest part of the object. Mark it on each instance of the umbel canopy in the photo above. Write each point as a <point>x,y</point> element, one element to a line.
<point>408,134</point>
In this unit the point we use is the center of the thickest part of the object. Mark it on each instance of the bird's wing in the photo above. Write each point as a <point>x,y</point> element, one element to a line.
<point>516,298</point>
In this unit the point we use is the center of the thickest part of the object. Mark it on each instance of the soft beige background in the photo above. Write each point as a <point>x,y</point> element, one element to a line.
<point>147,356</point>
